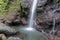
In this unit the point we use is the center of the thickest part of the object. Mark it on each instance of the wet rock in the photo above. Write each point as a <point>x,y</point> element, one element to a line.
<point>21,35</point>
<point>58,33</point>
<point>2,37</point>
<point>28,3</point>
<point>39,28</point>
<point>14,38</point>
<point>24,21</point>
<point>6,29</point>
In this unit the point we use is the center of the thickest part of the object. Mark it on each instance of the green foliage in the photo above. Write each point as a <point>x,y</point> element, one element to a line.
<point>7,6</point>
<point>3,4</point>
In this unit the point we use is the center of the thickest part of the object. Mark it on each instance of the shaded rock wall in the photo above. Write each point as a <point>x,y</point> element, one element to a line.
<point>27,3</point>
<point>46,11</point>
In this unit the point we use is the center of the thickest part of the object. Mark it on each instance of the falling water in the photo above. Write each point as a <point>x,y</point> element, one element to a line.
<point>53,29</point>
<point>31,33</point>
<point>31,19</point>
<point>32,13</point>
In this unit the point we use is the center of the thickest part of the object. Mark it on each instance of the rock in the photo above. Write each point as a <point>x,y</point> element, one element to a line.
<point>24,21</point>
<point>6,29</point>
<point>21,35</point>
<point>57,38</point>
<point>28,3</point>
<point>10,17</point>
<point>58,33</point>
<point>45,18</point>
<point>2,37</point>
<point>14,38</point>
<point>39,28</point>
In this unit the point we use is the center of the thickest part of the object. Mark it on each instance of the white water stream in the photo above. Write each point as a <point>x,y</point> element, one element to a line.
<point>32,13</point>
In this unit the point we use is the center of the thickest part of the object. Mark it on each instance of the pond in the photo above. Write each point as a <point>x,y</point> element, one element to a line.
<point>32,34</point>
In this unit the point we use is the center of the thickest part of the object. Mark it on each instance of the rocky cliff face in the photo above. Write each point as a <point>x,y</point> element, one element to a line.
<point>45,18</point>
<point>46,11</point>
<point>27,3</point>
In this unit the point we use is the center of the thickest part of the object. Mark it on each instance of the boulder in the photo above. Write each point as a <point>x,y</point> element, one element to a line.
<point>6,29</point>
<point>14,38</point>
<point>21,35</point>
<point>2,37</point>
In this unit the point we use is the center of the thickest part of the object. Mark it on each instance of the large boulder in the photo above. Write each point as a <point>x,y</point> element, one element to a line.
<point>2,37</point>
<point>6,29</point>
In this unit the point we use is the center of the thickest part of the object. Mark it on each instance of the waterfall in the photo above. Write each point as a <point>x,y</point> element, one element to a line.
<point>31,33</point>
<point>32,13</point>
<point>53,29</point>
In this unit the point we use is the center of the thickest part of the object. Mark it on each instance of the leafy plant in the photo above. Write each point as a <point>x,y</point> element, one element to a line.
<point>7,6</point>
<point>3,4</point>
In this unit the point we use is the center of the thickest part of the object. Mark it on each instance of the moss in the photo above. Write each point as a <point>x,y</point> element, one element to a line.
<point>7,6</point>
